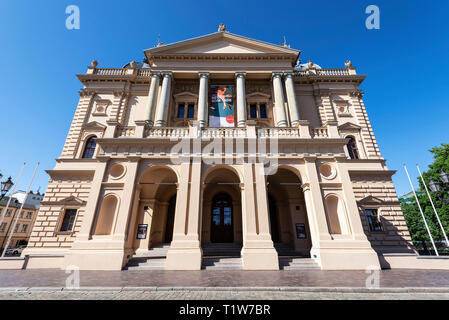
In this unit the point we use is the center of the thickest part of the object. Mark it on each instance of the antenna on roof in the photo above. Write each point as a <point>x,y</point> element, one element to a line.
<point>159,43</point>
<point>284,44</point>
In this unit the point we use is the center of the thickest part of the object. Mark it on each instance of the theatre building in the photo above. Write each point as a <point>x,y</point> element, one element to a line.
<point>220,152</point>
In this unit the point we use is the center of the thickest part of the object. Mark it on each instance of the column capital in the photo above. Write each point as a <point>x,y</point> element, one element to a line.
<point>155,74</point>
<point>240,74</point>
<point>288,74</point>
<point>166,74</point>
<point>276,75</point>
<point>203,75</point>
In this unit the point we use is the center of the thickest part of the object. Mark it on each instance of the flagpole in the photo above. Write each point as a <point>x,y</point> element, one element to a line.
<point>3,213</point>
<point>420,210</point>
<point>433,206</point>
<point>20,211</point>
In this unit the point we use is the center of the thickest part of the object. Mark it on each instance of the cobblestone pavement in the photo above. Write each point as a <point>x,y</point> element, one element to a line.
<point>398,278</point>
<point>58,294</point>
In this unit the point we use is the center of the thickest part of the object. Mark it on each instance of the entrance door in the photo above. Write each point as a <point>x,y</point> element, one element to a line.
<point>222,227</point>
<point>274,222</point>
<point>170,219</point>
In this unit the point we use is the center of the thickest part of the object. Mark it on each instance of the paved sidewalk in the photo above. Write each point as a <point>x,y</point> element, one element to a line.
<point>222,294</point>
<point>223,278</point>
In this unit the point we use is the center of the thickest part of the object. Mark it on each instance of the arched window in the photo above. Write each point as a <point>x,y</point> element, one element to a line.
<point>352,148</point>
<point>89,149</point>
<point>106,215</point>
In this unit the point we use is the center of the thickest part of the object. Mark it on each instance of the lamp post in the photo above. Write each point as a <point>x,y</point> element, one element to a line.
<point>6,185</point>
<point>436,186</point>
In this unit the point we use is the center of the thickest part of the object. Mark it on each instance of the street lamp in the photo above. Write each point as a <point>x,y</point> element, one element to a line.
<point>6,185</point>
<point>436,187</point>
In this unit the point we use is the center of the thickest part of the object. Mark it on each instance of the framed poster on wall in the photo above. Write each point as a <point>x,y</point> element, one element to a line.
<point>142,231</point>
<point>301,231</point>
<point>221,109</point>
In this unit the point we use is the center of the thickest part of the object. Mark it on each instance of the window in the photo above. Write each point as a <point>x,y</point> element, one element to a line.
<point>352,148</point>
<point>373,220</point>
<point>68,221</point>
<point>180,111</point>
<point>17,227</point>
<point>190,111</point>
<point>29,215</point>
<point>263,110</point>
<point>3,227</point>
<point>185,110</point>
<point>24,228</point>
<point>258,110</point>
<point>8,213</point>
<point>90,148</point>
<point>253,110</point>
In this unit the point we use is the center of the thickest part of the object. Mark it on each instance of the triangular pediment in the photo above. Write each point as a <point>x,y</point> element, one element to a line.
<point>371,200</point>
<point>69,201</point>
<point>94,125</point>
<point>221,43</point>
<point>349,126</point>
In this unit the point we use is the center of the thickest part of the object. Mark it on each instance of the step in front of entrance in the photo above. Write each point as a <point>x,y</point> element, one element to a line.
<point>298,263</point>
<point>222,249</point>
<point>221,263</point>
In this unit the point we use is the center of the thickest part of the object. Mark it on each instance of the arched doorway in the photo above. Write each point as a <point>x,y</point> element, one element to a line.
<point>156,208</point>
<point>288,215</point>
<point>222,207</point>
<point>170,219</point>
<point>222,230</point>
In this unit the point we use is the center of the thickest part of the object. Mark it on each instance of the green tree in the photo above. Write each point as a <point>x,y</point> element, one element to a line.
<point>411,212</point>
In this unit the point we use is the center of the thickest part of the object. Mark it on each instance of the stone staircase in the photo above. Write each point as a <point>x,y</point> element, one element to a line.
<point>221,263</point>
<point>289,259</point>
<point>297,263</point>
<point>221,249</point>
<point>154,259</point>
<point>221,256</point>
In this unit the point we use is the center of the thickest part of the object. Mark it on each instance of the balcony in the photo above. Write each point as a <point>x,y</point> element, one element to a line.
<point>302,131</point>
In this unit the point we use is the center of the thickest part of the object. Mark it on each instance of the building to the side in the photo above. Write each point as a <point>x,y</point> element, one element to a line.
<point>220,145</point>
<point>25,218</point>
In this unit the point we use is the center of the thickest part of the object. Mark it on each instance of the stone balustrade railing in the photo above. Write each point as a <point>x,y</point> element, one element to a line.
<point>126,131</point>
<point>109,71</point>
<point>332,72</point>
<point>278,132</point>
<point>223,132</point>
<point>184,132</point>
<point>319,133</point>
<point>167,132</point>
<point>143,72</point>
<point>146,72</point>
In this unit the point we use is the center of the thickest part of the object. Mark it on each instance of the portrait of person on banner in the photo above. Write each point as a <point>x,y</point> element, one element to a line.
<point>221,110</point>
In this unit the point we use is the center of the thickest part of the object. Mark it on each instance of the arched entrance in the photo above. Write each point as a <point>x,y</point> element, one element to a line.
<point>222,230</point>
<point>288,215</point>
<point>222,212</point>
<point>156,209</point>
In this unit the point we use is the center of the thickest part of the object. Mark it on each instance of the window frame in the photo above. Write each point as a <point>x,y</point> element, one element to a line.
<point>350,137</point>
<point>62,214</point>
<point>379,219</point>
<point>86,142</point>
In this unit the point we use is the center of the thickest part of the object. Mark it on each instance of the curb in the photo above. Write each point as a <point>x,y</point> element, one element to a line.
<point>271,289</point>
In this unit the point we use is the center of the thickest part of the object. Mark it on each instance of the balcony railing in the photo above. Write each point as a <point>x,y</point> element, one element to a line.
<point>304,132</point>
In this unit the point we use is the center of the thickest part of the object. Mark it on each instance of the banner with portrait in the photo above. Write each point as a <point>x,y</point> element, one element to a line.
<point>221,110</point>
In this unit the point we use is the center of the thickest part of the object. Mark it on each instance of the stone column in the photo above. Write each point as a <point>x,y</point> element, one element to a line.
<point>258,252</point>
<point>281,117</point>
<point>185,249</point>
<point>152,98</point>
<point>241,99</point>
<point>202,99</point>
<point>145,217</point>
<point>164,100</point>
<point>291,98</point>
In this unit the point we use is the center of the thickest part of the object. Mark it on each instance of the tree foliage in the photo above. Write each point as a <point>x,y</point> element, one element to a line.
<point>411,212</point>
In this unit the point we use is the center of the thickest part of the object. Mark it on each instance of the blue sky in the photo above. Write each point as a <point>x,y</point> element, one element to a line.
<point>406,62</point>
